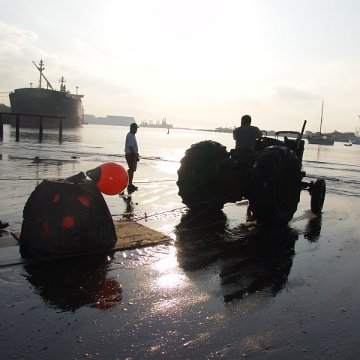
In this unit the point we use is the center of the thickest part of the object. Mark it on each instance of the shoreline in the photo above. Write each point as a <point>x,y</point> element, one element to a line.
<point>341,137</point>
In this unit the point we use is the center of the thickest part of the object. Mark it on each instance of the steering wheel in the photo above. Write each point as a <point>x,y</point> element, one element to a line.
<point>261,141</point>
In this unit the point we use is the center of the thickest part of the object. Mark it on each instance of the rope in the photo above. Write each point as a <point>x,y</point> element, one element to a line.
<point>154,181</point>
<point>160,213</point>
<point>180,227</point>
<point>195,228</point>
<point>40,179</point>
<point>152,215</point>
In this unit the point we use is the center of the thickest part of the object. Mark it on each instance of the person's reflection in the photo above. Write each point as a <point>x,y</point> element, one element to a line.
<point>249,258</point>
<point>129,207</point>
<point>71,284</point>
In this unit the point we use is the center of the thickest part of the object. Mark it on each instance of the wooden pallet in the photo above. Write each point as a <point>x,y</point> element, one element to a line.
<point>130,235</point>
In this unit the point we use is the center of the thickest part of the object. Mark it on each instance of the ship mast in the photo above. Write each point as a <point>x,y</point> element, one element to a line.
<point>41,68</point>
<point>62,84</point>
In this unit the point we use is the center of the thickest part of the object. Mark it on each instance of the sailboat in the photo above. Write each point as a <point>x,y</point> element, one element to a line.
<point>319,138</point>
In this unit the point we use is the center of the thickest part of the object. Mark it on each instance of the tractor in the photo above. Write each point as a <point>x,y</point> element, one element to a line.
<point>270,178</point>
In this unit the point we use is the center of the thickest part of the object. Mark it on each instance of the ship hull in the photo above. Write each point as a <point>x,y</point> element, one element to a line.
<point>38,101</point>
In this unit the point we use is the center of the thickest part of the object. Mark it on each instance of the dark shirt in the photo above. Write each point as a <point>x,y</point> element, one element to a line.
<point>245,136</point>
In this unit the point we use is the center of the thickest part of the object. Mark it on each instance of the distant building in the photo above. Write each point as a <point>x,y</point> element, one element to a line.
<point>157,124</point>
<point>109,120</point>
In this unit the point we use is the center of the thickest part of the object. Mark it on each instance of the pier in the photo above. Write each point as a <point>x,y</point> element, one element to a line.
<point>41,124</point>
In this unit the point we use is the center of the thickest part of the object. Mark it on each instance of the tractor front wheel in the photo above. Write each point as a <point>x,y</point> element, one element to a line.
<point>199,176</point>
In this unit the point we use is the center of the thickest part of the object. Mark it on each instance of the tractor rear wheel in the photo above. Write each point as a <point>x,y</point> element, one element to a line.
<point>275,186</point>
<point>199,176</point>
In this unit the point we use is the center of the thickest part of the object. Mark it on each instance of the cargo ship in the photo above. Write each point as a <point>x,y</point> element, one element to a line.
<point>47,101</point>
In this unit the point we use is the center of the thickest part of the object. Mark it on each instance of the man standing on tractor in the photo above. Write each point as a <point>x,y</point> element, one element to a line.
<point>246,135</point>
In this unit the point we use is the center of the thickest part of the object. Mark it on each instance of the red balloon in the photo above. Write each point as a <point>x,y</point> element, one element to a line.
<point>113,178</point>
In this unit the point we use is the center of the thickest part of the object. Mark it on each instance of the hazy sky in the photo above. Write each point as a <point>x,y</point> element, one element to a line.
<point>199,63</point>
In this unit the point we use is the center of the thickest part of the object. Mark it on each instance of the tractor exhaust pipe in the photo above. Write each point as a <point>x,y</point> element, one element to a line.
<point>298,140</point>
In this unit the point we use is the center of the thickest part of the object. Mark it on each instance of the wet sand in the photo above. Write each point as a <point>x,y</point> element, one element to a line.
<point>222,289</point>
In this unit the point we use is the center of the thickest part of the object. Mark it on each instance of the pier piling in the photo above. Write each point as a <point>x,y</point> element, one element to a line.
<point>41,124</point>
<point>41,129</point>
<point>60,130</point>
<point>17,125</point>
<point>1,127</point>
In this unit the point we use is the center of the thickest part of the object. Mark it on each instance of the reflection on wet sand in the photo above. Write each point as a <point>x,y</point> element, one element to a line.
<point>200,239</point>
<point>250,258</point>
<point>129,207</point>
<point>313,228</point>
<point>49,135</point>
<point>70,284</point>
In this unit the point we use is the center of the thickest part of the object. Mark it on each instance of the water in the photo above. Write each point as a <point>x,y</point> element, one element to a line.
<point>223,289</point>
<point>26,163</point>
<point>88,147</point>
<point>100,143</point>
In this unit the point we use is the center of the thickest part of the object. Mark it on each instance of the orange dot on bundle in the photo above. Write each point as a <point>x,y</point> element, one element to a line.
<point>56,198</point>
<point>68,222</point>
<point>46,228</point>
<point>84,200</point>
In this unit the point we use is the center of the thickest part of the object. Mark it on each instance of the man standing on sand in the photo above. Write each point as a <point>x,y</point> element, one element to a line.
<point>246,135</point>
<point>131,155</point>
